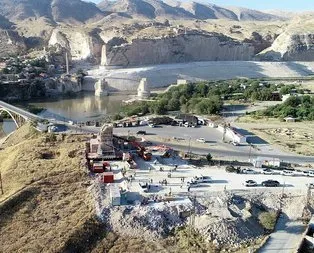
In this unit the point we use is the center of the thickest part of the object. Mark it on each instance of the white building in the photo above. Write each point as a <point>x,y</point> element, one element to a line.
<point>266,161</point>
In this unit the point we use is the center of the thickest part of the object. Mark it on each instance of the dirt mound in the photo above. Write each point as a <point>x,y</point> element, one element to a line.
<point>45,196</point>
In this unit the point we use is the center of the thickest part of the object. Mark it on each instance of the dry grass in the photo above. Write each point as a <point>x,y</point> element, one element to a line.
<point>53,203</point>
<point>296,137</point>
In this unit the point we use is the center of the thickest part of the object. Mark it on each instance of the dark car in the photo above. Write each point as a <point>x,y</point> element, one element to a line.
<point>270,183</point>
<point>141,132</point>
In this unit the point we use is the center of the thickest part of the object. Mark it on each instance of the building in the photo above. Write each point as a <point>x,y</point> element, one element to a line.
<point>102,146</point>
<point>259,162</point>
<point>290,119</point>
<point>232,134</point>
<point>115,195</point>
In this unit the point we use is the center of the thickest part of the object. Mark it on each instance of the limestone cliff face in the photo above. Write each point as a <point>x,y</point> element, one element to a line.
<point>82,46</point>
<point>11,43</point>
<point>291,47</point>
<point>181,48</point>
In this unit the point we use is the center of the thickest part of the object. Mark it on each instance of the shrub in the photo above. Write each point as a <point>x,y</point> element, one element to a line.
<point>268,220</point>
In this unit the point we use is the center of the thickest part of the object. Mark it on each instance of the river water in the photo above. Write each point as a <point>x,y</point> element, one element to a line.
<point>84,106</point>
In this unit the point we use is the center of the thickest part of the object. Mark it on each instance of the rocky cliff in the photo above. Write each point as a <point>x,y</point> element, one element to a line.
<point>82,45</point>
<point>10,43</point>
<point>290,47</point>
<point>181,48</point>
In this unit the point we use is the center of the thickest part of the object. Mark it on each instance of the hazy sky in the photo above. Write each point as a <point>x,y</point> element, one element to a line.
<point>261,4</point>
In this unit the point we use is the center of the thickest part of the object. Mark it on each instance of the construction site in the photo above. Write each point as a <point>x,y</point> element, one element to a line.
<point>147,191</point>
<point>110,193</point>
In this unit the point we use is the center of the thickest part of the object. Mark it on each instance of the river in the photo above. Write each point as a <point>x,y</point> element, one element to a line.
<point>85,106</point>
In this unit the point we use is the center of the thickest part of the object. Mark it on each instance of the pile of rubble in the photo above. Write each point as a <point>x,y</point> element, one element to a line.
<point>147,221</point>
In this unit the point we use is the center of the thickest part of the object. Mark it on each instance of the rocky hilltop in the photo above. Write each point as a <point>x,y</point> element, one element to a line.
<point>139,32</point>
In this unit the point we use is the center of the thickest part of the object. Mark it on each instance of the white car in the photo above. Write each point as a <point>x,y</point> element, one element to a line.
<point>202,179</point>
<point>268,172</point>
<point>287,173</point>
<point>250,183</point>
<point>201,140</point>
<point>311,173</point>
<point>249,171</point>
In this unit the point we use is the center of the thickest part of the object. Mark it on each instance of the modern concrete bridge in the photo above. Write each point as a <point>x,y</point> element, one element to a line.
<point>18,115</point>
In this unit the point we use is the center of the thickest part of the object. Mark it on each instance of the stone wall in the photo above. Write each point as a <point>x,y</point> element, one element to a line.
<point>181,48</point>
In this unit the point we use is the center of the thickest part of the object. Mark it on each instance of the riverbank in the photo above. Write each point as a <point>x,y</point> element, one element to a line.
<point>127,79</point>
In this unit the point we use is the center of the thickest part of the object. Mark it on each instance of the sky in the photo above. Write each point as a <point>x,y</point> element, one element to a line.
<point>292,5</point>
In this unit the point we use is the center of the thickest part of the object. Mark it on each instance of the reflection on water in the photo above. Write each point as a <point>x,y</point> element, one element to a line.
<point>7,127</point>
<point>85,106</point>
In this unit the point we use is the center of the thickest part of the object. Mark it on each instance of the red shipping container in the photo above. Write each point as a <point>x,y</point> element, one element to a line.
<point>98,168</point>
<point>108,177</point>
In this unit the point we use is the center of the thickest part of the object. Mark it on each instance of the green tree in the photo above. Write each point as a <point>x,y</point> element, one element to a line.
<point>173,104</point>
<point>209,157</point>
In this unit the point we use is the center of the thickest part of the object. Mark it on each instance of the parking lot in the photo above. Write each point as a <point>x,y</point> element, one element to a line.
<point>155,174</point>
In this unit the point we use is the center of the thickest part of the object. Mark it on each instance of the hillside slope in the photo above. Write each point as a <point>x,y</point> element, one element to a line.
<point>172,9</point>
<point>72,11</point>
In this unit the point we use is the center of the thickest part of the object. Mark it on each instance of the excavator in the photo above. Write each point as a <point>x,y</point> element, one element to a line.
<point>141,151</point>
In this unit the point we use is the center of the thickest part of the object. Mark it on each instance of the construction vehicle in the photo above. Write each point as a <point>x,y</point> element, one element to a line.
<point>141,151</point>
<point>147,156</point>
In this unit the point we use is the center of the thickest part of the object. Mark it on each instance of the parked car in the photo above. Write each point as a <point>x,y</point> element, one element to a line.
<point>311,173</point>
<point>287,173</point>
<point>249,171</point>
<point>151,125</point>
<point>232,169</point>
<point>310,185</point>
<point>201,179</point>
<point>270,183</point>
<point>305,173</point>
<point>250,183</point>
<point>141,132</point>
<point>201,140</point>
<point>268,172</point>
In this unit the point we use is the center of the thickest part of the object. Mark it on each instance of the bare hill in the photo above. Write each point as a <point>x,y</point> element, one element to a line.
<point>55,10</point>
<point>146,8</point>
<point>176,9</point>
<point>245,14</point>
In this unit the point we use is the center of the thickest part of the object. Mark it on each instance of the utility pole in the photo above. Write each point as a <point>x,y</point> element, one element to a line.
<point>192,220</point>
<point>189,148</point>
<point>1,186</point>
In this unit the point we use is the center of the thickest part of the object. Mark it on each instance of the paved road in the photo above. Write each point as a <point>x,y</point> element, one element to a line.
<point>214,144</point>
<point>286,237</point>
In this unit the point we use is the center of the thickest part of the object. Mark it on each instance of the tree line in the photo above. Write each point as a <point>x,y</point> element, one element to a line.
<point>207,98</point>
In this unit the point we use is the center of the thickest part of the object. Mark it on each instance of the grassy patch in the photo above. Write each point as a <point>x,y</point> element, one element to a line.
<point>268,220</point>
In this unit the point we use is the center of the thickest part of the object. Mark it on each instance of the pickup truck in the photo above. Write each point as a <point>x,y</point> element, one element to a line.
<point>201,179</point>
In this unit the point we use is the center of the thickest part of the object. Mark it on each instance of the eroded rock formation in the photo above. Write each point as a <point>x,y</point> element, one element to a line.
<point>181,48</point>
